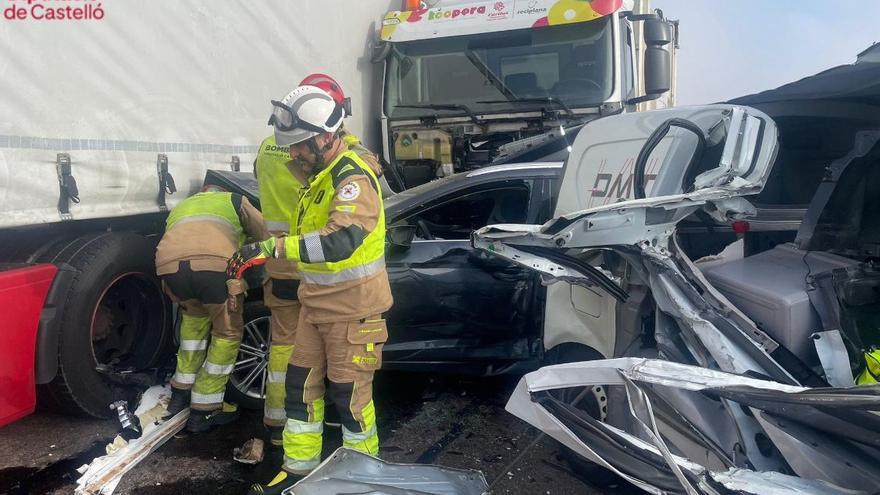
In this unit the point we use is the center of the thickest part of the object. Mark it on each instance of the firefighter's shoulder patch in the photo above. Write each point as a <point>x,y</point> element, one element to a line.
<point>349,192</point>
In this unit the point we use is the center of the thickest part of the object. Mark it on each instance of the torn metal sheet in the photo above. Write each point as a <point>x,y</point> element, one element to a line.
<point>745,482</point>
<point>647,460</point>
<point>816,455</point>
<point>104,473</point>
<point>834,358</point>
<point>351,472</point>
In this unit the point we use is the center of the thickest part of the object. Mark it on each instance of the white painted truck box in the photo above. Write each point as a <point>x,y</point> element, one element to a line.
<point>191,80</point>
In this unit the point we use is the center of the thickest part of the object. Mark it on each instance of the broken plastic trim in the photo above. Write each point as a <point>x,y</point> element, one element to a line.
<point>349,472</point>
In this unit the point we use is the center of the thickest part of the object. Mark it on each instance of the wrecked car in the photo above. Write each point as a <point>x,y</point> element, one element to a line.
<point>742,326</point>
<point>456,309</point>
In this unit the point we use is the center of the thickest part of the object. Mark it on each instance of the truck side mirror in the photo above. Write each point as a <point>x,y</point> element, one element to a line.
<point>658,57</point>
<point>401,235</point>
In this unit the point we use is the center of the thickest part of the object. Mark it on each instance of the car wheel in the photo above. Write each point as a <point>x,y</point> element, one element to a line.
<point>247,382</point>
<point>113,313</point>
<point>593,401</point>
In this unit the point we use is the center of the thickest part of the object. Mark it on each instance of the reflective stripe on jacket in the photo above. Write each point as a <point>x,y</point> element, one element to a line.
<point>220,207</point>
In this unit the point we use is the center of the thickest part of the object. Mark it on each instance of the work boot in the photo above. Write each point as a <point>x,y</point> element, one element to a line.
<point>179,401</point>
<point>202,421</point>
<point>282,481</point>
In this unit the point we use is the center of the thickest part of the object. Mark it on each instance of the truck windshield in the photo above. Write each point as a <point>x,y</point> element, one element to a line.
<point>572,63</point>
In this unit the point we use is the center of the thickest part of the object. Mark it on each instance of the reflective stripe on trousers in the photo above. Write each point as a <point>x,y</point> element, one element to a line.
<point>302,445</point>
<point>273,412</point>
<point>194,332</point>
<point>184,378</point>
<point>366,441</point>
<point>207,391</point>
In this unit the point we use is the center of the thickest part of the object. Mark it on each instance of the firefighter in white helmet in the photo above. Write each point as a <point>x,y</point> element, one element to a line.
<point>280,190</point>
<point>338,244</point>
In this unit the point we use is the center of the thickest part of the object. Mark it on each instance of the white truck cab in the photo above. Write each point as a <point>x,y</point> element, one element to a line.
<point>472,83</point>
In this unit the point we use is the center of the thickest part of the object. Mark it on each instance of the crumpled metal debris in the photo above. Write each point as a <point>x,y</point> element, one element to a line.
<point>641,454</point>
<point>351,472</point>
<point>104,473</point>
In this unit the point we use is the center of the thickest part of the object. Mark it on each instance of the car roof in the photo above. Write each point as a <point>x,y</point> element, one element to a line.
<point>514,167</point>
<point>473,177</point>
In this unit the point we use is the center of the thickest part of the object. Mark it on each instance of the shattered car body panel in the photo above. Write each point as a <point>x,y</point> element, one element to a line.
<point>636,194</point>
<point>643,456</point>
<point>684,144</point>
<point>707,162</point>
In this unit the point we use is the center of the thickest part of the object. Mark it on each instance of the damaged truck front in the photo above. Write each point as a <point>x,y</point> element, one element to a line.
<point>740,362</point>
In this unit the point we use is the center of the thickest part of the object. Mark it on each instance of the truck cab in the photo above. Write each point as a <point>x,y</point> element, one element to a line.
<point>467,84</point>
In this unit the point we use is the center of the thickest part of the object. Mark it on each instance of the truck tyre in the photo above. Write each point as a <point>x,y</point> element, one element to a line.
<point>256,338</point>
<point>594,403</point>
<point>113,313</point>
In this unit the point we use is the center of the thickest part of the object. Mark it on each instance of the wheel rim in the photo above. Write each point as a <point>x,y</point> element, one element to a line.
<point>126,329</point>
<point>250,371</point>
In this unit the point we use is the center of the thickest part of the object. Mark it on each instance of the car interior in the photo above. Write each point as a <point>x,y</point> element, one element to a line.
<point>776,277</point>
<point>456,219</point>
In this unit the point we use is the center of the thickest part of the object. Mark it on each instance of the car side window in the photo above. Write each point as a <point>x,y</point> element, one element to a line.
<point>457,218</point>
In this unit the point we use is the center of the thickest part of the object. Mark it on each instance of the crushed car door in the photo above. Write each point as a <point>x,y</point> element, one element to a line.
<point>628,181</point>
<point>452,303</point>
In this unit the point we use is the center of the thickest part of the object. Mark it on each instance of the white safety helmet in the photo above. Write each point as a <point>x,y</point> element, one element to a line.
<point>305,112</point>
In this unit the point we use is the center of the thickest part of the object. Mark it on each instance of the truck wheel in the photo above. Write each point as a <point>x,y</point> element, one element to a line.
<point>594,402</point>
<point>114,313</point>
<point>247,383</point>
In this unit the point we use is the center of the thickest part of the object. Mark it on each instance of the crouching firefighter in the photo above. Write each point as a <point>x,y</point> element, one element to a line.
<point>200,234</point>
<point>338,244</point>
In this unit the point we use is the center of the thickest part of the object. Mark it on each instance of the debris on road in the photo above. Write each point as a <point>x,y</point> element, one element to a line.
<point>104,473</point>
<point>250,453</point>
<point>351,472</point>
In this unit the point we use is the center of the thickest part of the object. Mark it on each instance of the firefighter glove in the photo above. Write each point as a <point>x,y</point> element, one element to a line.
<point>250,255</point>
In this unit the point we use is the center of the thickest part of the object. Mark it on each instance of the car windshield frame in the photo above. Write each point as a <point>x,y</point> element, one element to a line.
<point>437,71</point>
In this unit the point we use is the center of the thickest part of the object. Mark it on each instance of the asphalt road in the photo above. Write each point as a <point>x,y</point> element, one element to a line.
<point>452,421</point>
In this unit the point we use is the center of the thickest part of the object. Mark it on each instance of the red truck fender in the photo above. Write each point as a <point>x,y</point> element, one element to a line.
<point>23,291</point>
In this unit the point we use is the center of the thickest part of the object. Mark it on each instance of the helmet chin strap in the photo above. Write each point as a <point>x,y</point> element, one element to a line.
<point>319,152</point>
<point>319,155</point>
